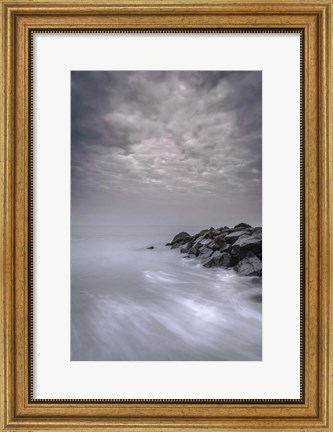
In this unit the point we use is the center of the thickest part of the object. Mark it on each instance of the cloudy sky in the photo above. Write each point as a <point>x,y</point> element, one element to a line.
<point>166,148</point>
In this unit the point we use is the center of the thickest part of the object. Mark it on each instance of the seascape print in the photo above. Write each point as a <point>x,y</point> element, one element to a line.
<point>166,216</point>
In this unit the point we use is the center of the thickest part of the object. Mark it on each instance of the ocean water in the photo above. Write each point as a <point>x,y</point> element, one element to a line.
<point>130,303</point>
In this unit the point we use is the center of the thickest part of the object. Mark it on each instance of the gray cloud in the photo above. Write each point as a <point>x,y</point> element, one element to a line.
<point>166,147</point>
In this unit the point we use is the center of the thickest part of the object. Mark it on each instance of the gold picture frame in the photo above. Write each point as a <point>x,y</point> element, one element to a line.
<point>19,411</point>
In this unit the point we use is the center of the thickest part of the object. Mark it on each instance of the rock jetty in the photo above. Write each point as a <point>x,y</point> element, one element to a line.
<point>239,248</point>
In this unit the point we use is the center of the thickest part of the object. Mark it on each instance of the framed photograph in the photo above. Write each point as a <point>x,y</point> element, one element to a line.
<point>166,216</point>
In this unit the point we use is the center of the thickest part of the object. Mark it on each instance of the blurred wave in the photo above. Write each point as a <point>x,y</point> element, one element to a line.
<point>130,303</point>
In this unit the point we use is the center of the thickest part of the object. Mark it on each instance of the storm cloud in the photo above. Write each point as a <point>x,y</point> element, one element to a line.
<point>169,148</point>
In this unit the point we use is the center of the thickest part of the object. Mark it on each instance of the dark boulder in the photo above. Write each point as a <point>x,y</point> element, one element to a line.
<point>176,245</point>
<point>168,244</point>
<point>221,247</point>
<point>200,241</point>
<point>193,251</point>
<point>245,244</point>
<point>180,242</point>
<point>150,247</point>
<point>212,245</point>
<point>218,259</point>
<point>200,244</point>
<point>226,259</point>
<point>257,232</point>
<point>223,233</point>
<point>181,237</point>
<point>190,243</point>
<point>234,236</point>
<point>242,225</point>
<point>239,248</point>
<point>219,242</point>
<point>226,248</point>
<point>205,252</point>
<point>197,239</point>
<point>223,229</point>
<point>249,266</point>
<point>185,247</point>
<point>212,233</point>
<point>213,261</point>
<point>209,234</point>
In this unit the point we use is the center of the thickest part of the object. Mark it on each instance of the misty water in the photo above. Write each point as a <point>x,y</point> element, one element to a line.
<point>130,303</point>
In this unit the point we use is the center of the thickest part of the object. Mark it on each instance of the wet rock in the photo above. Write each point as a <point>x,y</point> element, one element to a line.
<point>226,259</point>
<point>193,251</point>
<point>223,229</point>
<point>257,232</point>
<point>226,248</point>
<point>205,252</point>
<point>233,236</point>
<point>185,247</point>
<point>239,248</point>
<point>198,239</point>
<point>242,225</point>
<point>249,266</point>
<point>219,259</point>
<point>213,261</point>
<point>212,245</point>
<point>212,233</point>
<point>218,243</point>
<point>180,237</point>
<point>200,244</point>
<point>245,244</point>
